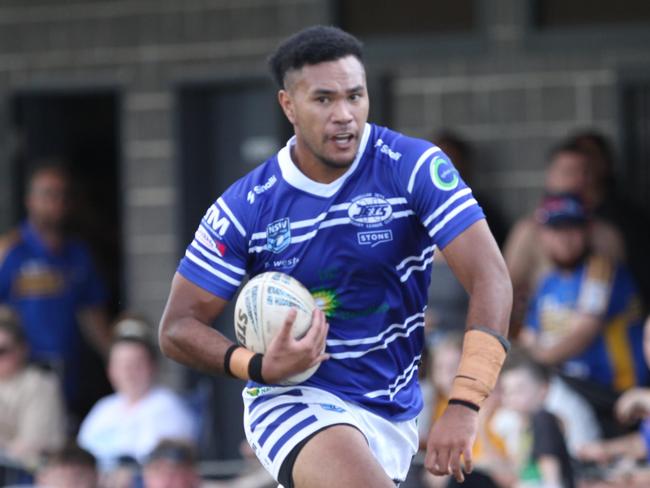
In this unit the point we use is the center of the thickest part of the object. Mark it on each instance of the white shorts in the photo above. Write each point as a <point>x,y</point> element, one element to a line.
<point>276,419</point>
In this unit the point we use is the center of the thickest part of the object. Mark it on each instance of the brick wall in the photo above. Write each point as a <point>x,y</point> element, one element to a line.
<point>507,92</point>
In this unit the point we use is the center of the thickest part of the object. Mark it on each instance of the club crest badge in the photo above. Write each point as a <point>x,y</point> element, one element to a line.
<point>278,235</point>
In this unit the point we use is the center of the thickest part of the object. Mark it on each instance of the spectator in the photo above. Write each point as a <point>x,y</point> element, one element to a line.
<point>70,467</point>
<point>131,421</point>
<point>611,205</point>
<point>50,280</point>
<point>632,406</point>
<point>171,465</point>
<point>567,172</point>
<point>585,315</point>
<point>536,444</point>
<point>31,405</point>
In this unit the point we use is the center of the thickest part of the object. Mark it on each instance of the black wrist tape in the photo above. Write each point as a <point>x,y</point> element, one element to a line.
<point>470,405</point>
<point>226,360</point>
<point>255,369</point>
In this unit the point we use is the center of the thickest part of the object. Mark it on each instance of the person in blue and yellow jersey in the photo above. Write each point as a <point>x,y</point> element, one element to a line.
<point>585,317</point>
<point>50,280</point>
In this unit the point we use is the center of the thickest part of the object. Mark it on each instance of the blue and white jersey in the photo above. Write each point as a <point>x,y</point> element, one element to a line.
<point>363,245</point>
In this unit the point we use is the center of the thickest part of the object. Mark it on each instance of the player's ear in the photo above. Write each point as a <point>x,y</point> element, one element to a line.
<point>286,102</point>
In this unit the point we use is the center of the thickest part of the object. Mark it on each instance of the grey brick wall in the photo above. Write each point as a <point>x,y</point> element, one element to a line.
<point>506,91</point>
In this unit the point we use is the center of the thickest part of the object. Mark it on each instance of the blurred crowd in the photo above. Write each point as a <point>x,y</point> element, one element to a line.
<point>572,407</point>
<point>53,308</point>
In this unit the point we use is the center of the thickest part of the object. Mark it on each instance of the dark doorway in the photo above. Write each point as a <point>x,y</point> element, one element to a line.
<point>80,130</point>
<point>225,131</point>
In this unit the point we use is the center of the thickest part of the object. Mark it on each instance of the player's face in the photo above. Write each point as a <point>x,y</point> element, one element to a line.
<point>327,103</point>
<point>564,245</point>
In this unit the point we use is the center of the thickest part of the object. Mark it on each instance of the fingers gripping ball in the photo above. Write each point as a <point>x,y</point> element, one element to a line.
<point>262,307</point>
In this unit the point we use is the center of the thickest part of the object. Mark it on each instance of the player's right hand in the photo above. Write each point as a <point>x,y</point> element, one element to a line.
<point>287,356</point>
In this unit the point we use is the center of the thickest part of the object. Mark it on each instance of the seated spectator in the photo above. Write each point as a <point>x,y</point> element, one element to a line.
<point>31,403</point>
<point>140,413</point>
<point>585,315</point>
<point>69,467</point>
<point>171,465</point>
<point>568,171</point>
<point>611,203</point>
<point>631,407</point>
<point>535,441</point>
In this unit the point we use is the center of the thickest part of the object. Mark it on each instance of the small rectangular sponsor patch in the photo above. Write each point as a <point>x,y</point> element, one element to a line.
<point>374,237</point>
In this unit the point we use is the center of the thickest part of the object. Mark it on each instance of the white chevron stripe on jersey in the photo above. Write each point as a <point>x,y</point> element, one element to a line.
<point>400,382</point>
<point>323,225</point>
<point>215,259</point>
<point>429,152</point>
<point>383,345</point>
<point>199,262</point>
<point>422,255</point>
<point>445,205</point>
<point>378,337</point>
<point>299,224</point>
<point>417,267</point>
<point>440,225</point>
<point>232,217</point>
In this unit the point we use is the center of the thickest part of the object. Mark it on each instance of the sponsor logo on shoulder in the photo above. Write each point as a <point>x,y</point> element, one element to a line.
<point>204,238</point>
<point>385,149</point>
<point>443,174</point>
<point>259,189</point>
<point>256,391</point>
<point>370,210</point>
<point>214,219</point>
<point>373,238</point>
<point>278,235</point>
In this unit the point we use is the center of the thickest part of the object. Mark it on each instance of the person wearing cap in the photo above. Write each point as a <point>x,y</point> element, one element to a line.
<point>585,316</point>
<point>140,413</point>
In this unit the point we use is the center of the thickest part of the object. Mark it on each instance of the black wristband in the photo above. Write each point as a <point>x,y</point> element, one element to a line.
<point>255,369</point>
<point>226,360</point>
<point>470,405</point>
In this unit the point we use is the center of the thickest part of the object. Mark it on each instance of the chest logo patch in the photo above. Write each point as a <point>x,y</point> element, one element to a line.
<point>370,210</point>
<point>278,235</point>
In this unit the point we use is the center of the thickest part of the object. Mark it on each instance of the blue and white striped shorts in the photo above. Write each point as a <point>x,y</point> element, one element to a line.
<point>276,419</point>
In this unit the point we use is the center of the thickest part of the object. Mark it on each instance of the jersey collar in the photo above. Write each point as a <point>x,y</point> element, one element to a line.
<point>297,179</point>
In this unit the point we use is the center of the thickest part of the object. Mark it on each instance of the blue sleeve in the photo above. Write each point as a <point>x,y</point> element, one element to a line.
<point>216,258</point>
<point>440,198</point>
<point>92,290</point>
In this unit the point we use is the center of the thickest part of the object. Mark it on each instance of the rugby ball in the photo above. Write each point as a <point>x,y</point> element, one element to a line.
<point>262,307</point>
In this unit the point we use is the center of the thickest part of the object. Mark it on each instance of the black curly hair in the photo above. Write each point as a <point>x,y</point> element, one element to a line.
<point>313,45</point>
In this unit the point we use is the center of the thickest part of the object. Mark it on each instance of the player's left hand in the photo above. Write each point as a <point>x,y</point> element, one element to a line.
<point>451,438</point>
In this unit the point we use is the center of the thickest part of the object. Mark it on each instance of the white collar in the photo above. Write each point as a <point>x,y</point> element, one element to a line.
<point>298,179</point>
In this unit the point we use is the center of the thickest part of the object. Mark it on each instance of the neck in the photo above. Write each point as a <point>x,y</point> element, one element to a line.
<point>313,167</point>
<point>50,235</point>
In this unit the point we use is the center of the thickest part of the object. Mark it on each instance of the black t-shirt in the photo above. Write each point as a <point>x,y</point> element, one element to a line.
<point>548,440</point>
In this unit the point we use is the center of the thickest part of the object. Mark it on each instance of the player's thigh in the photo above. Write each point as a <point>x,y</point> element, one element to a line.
<point>338,456</point>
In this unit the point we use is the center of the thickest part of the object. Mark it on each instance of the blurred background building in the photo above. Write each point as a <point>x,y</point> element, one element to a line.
<point>159,104</point>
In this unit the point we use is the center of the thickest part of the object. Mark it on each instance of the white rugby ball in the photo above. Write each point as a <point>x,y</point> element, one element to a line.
<point>262,307</point>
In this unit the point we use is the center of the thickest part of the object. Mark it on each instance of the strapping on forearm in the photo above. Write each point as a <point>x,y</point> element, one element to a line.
<point>484,352</point>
